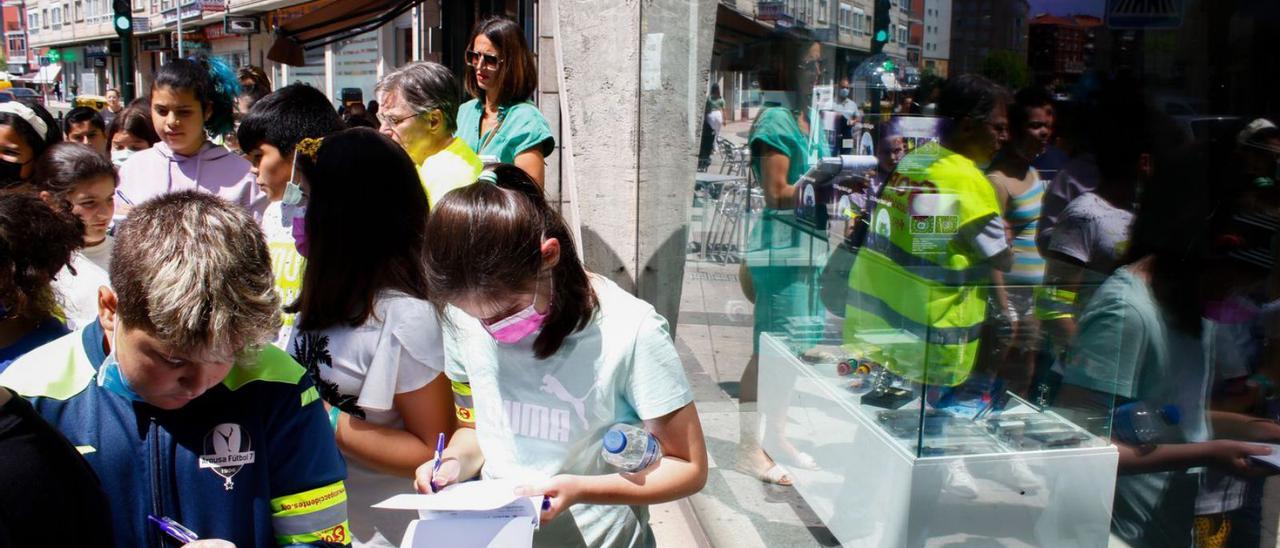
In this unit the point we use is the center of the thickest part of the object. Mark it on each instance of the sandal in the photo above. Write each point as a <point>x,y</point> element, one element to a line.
<point>805,460</point>
<point>776,475</point>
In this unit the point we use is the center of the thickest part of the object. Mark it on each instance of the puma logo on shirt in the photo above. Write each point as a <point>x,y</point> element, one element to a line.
<point>546,422</point>
<point>551,385</point>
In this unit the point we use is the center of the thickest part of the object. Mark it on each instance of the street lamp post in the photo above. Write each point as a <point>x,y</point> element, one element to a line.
<point>180,50</point>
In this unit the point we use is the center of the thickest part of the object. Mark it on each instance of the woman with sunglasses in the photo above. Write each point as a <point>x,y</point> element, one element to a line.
<point>500,122</point>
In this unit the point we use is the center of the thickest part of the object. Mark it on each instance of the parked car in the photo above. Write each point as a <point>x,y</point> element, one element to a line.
<point>5,97</point>
<point>26,96</point>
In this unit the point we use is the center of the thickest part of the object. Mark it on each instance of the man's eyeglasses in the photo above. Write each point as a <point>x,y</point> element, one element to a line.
<point>393,121</point>
<point>482,60</point>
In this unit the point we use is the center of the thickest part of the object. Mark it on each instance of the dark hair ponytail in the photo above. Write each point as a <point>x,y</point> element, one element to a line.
<point>486,241</point>
<point>212,81</point>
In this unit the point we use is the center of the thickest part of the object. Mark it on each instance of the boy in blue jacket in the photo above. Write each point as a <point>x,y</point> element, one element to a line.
<point>177,401</point>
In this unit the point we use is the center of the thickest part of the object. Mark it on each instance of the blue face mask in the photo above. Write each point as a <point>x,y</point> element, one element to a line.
<point>111,378</point>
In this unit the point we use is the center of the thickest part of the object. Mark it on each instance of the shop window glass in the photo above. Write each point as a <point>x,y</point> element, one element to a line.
<point>355,64</point>
<point>914,405</point>
<point>312,73</point>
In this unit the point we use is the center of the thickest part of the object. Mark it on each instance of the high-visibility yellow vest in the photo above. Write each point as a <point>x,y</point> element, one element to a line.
<point>918,289</point>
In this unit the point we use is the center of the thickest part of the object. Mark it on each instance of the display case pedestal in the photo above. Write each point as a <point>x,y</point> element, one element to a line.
<point>870,489</point>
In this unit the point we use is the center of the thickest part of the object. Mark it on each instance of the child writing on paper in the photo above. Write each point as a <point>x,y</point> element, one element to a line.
<point>544,357</point>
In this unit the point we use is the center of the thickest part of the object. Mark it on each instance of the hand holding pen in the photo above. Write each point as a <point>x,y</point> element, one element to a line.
<point>438,473</point>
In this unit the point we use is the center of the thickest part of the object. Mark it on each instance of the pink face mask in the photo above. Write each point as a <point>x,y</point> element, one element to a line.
<point>299,229</point>
<point>516,327</point>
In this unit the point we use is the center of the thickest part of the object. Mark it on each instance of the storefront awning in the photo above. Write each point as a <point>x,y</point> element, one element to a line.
<point>47,74</point>
<point>330,23</point>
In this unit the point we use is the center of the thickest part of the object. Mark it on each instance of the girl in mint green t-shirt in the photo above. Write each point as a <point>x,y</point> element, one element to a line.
<point>544,358</point>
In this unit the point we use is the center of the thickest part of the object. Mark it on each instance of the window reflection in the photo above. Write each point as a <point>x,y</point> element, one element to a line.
<point>1029,234</point>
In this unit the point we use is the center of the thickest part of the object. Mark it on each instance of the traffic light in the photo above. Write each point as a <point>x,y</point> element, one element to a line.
<point>880,26</point>
<point>123,23</point>
<point>123,20</point>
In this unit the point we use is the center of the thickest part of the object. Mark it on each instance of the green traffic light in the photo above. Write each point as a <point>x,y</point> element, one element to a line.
<point>123,23</point>
<point>882,36</point>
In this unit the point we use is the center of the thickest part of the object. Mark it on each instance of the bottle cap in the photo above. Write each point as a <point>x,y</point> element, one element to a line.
<point>615,441</point>
<point>1171,413</point>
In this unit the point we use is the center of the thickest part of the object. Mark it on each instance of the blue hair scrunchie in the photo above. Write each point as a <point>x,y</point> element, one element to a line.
<point>488,176</point>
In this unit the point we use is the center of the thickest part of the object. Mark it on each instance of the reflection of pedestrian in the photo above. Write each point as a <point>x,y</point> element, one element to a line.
<point>1143,338</point>
<point>57,90</point>
<point>782,142</point>
<point>713,119</point>
<point>933,277</point>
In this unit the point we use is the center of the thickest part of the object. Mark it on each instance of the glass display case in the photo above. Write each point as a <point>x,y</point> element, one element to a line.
<point>894,397</point>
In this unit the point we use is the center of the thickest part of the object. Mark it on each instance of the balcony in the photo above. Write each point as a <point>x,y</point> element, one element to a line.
<point>777,12</point>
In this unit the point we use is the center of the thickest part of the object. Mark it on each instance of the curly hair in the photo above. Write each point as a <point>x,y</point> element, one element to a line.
<point>193,271</point>
<point>36,242</point>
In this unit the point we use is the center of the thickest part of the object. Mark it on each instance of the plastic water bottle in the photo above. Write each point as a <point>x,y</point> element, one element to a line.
<point>1139,424</point>
<point>630,448</point>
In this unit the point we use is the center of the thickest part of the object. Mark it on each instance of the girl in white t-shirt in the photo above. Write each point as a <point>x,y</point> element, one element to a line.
<point>544,357</point>
<point>78,179</point>
<point>365,331</point>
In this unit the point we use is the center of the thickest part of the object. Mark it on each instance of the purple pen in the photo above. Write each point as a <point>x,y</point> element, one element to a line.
<point>436,469</point>
<point>174,529</point>
<point>546,503</point>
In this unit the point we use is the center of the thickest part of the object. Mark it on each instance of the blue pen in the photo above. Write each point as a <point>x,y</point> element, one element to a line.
<point>546,503</point>
<point>436,469</point>
<point>174,529</point>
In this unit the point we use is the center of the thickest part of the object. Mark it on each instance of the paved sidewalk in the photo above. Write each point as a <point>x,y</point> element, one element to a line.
<point>714,339</point>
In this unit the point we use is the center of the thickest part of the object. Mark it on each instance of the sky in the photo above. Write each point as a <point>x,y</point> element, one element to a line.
<point>1068,7</point>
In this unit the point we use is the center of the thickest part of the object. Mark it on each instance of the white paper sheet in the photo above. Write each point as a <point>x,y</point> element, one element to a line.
<point>475,514</point>
<point>1273,459</point>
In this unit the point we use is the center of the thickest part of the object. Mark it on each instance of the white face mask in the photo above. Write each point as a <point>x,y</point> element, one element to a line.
<point>292,190</point>
<point>119,156</point>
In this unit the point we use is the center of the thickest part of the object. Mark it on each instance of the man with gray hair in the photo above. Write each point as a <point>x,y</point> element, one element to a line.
<point>177,399</point>
<point>419,108</point>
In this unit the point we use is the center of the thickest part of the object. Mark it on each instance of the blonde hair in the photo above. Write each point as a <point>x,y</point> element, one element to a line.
<point>194,271</point>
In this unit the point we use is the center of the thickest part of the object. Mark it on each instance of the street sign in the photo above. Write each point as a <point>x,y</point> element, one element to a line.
<point>159,42</point>
<point>1145,14</point>
<point>233,24</point>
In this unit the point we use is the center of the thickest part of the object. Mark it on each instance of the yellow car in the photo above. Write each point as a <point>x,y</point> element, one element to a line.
<point>95,102</point>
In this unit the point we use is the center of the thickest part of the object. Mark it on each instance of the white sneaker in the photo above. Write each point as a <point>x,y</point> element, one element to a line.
<point>1022,478</point>
<point>959,481</point>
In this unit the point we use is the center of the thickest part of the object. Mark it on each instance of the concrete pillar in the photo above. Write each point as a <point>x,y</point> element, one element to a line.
<point>632,82</point>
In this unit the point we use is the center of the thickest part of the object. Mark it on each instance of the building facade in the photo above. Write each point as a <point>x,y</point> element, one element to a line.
<point>13,15</point>
<point>937,36</point>
<point>982,27</point>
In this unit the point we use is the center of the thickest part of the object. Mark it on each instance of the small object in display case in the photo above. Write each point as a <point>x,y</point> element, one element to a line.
<point>905,423</point>
<point>1006,428</point>
<point>823,355</point>
<point>844,369</point>
<point>888,397</point>
<point>1053,439</point>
